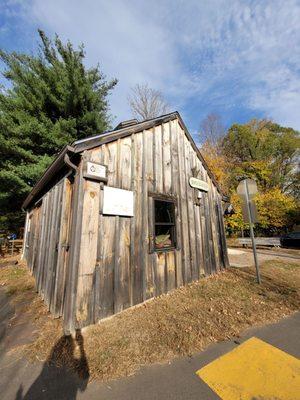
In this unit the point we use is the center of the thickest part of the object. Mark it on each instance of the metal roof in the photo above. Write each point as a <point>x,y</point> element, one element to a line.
<point>94,141</point>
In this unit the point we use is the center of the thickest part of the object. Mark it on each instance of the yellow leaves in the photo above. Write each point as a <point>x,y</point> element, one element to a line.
<point>235,222</point>
<point>275,208</point>
<point>266,152</point>
<point>260,170</point>
<point>217,163</point>
<point>275,211</point>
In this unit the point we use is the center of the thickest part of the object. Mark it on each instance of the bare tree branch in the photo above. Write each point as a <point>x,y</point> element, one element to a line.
<point>211,129</point>
<point>146,103</point>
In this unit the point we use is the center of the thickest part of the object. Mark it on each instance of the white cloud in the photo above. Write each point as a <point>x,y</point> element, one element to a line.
<point>128,45</point>
<point>217,53</point>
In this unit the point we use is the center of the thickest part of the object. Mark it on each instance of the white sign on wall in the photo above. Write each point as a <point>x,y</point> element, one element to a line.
<point>94,171</point>
<point>199,184</point>
<point>117,201</point>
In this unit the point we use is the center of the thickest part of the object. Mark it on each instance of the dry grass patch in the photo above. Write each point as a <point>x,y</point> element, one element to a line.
<point>14,277</point>
<point>180,323</point>
<point>19,286</point>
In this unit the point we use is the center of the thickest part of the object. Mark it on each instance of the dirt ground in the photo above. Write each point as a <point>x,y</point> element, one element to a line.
<point>180,323</point>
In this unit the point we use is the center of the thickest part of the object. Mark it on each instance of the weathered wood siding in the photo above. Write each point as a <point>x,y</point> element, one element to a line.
<point>88,265</point>
<point>47,245</point>
<point>117,267</point>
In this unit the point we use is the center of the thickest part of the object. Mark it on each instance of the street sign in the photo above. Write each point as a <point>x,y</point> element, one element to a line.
<point>252,188</point>
<point>199,184</point>
<point>247,189</point>
<point>245,213</point>
<point>252,191</point>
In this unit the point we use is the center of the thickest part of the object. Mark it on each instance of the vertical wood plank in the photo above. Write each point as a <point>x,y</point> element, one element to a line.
<point>41,253</point>
<point>158,159</point>
<point>222,233</point>
<point>209,242</point>
<point>69,305</point>
<point>122,260</point>
<point>210,226</point>
<point>198,249</point>
<point>199,229</point>
<point>63,242</point>
<point>88,245</point>
<point>148,186</point>
<point>184,209</point>
<point>137,255</point>
<point>56,228</point>
<point>25,238</point>
<point>170,263</point>
<point>51,266</point>
<point>160,283</point>
<point>166,149</point>
<point>49,245</point>
<point>144,211</point>
<point>190,209</point>
<point>106,257</point>
<point>176,189</point>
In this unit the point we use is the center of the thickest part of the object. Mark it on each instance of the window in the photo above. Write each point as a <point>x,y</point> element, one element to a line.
<point>164,224</point>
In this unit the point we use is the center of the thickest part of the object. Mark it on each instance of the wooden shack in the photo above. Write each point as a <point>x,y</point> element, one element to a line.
<point>121,217</point>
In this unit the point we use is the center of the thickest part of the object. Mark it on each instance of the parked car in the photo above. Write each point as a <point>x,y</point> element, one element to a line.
<point>291,239</point>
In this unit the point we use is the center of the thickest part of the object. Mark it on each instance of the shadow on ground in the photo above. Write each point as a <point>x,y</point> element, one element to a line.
<point>6,313</point>
<point>60,382</point>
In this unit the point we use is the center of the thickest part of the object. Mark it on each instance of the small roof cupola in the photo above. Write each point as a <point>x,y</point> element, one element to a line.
<point>126,124</point>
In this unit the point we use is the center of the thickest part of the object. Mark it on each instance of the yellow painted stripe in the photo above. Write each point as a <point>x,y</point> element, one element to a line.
<point>254,370</point>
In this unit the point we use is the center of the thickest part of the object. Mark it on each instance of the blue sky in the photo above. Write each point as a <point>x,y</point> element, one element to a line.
<point>240,59</point>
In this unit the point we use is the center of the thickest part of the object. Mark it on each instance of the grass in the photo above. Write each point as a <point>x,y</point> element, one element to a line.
<point>180,323</point>
<point>14,277</point>
<point>19,285</point>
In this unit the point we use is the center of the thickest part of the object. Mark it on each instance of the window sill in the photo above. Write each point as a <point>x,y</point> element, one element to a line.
<point>164,250</point>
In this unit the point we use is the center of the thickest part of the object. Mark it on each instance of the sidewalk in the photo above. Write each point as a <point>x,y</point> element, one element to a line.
<point>176,380</point>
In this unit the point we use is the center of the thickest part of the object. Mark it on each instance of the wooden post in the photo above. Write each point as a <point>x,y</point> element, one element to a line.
<point>25,237</point>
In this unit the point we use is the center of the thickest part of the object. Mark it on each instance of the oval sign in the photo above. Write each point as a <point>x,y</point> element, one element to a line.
<point>199,184</point>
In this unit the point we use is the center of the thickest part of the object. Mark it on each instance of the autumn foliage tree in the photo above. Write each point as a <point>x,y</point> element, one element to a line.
<point>268,153</point>
<point>212,133</point>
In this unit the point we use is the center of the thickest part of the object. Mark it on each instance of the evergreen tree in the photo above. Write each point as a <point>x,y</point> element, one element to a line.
<point>52,100</point>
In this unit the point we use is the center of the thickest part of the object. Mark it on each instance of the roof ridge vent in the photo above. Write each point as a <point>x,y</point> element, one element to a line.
<point>126,124</point>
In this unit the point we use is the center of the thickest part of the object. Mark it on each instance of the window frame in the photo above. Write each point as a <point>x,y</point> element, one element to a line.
<point>168,199</point>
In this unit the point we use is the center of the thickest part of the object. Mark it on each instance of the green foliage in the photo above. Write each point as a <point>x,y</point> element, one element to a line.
<point>52,100</point>
<point>276,209</point>
<point>277,212</point>
<point>263,151</point>
<point>268,153</point>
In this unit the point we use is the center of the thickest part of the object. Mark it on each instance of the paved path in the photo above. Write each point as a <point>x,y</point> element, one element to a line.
<point>176,381</point>
<point>242,257</point>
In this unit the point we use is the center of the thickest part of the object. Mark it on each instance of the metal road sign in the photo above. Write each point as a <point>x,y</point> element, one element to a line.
<point>247,189</point>
<point>252,191</point>
<point>252,188</point>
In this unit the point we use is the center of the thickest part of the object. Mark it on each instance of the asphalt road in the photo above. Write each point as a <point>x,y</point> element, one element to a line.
<point>176,380</point>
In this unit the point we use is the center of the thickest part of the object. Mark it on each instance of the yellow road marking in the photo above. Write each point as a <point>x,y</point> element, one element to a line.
<point>254,370</point>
